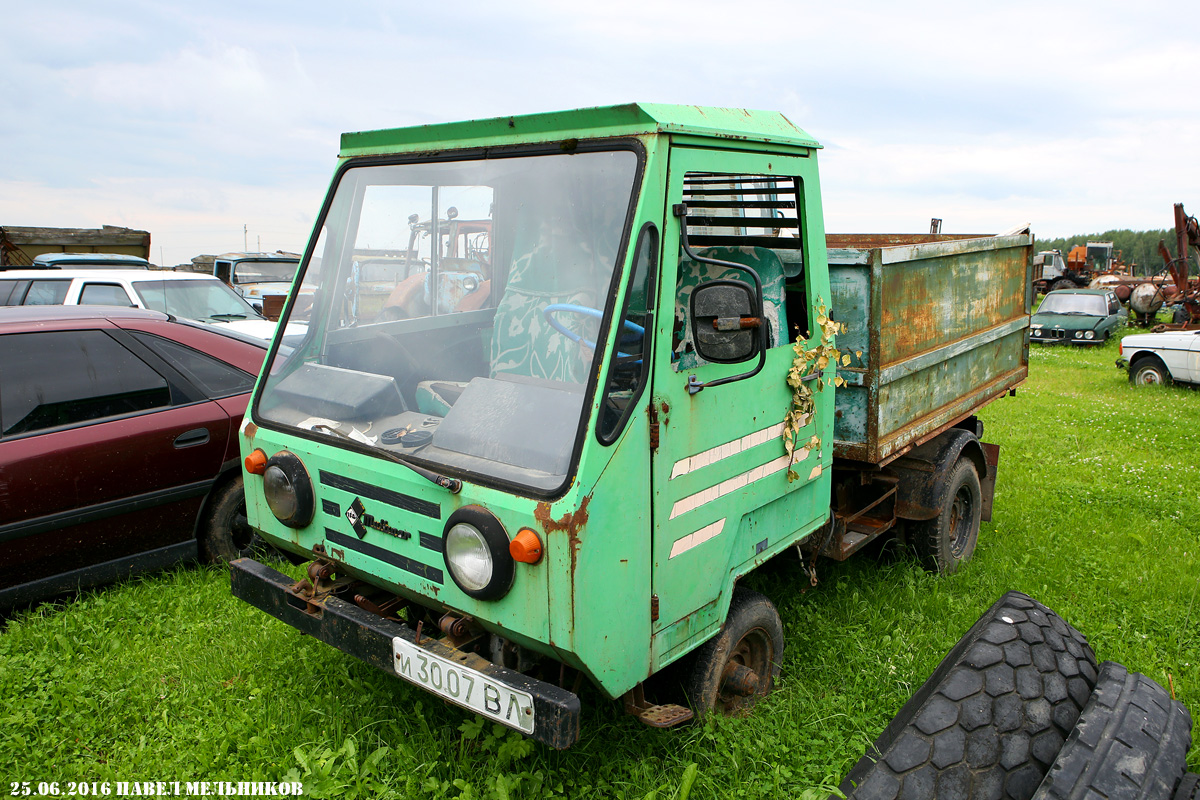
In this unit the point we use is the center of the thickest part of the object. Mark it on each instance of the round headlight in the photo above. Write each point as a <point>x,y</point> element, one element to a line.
<point>288,490</point>
<point>476,551</point>
<point>1078,334</point>
<point>280,494</point>
<point>1089,335</point>
<point>468,557</point>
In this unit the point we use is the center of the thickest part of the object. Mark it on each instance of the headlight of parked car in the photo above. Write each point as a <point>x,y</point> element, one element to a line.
<point>1089,335</point>
<point>477,554</point>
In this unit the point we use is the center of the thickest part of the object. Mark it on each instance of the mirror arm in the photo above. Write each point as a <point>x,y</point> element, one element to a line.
<point>693,385</point>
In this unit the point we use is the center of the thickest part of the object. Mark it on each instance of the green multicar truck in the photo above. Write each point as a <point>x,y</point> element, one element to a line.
<point>552,455</point>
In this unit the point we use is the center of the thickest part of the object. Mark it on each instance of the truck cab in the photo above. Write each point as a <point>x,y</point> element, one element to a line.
<point>258,276</point>
<point>559,463</point>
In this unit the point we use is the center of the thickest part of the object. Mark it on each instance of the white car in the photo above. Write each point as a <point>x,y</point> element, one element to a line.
<point>181,294</point>
<point>1161,358</point>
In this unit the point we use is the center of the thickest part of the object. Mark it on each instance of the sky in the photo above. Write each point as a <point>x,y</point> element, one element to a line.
<point>215,126</point>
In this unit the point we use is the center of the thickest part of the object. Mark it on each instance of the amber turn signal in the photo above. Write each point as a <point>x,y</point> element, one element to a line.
<point>256,462</point>
<point>526,547</point>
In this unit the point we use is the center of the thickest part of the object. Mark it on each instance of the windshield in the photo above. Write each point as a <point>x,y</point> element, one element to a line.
<point>1091,304</point>
<point>202,299</point>
<point>264,271</point>
<point>456,311</point>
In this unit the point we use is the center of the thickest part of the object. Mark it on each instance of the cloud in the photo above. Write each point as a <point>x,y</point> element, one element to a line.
<point>193,120</point>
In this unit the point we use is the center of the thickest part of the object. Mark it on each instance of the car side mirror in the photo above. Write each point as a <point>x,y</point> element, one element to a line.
<point>726,322</point>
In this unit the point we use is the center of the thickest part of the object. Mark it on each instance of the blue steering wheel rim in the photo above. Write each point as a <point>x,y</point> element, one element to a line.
<point>549,311</point>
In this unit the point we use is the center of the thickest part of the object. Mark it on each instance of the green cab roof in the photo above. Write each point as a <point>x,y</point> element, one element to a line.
<point>634,119</point>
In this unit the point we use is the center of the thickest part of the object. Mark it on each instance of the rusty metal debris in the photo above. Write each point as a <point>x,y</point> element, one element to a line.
<point>1186,291</point>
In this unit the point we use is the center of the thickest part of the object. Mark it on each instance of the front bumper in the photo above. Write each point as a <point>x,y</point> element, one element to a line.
<point>371,638</point>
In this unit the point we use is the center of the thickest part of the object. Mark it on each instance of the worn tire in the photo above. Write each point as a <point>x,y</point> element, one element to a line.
<point>1063,283</point>
<point>1130,743</point>
<point>992,717</point>
<point>750,641</point>
<point>948,540</point>
<point>1149,371</point>
<point>224,533</point>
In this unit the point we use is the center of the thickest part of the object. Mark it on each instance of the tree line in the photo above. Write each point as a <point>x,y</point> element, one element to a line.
<point>1138,249</point>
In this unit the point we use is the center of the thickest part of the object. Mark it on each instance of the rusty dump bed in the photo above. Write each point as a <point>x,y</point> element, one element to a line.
<point>941,323</point>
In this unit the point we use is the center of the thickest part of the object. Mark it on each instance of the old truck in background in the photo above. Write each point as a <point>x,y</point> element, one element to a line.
<point>1083,265</point>
<point>663,374</point>
<point>262,279</point>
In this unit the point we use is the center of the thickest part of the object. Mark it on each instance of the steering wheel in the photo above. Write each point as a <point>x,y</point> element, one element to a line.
<point>549,311</point>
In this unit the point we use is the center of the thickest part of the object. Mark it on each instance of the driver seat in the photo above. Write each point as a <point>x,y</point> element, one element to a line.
<point>523,343</point>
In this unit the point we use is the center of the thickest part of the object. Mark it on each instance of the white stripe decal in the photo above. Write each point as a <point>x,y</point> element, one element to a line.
<point>683,544</point>
<point>722,451</point>
<point>692,502</point>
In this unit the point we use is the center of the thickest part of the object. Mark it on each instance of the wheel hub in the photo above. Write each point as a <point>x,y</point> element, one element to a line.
<point>739,680</point>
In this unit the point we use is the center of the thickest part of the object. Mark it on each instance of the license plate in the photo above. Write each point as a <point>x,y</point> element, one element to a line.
<point>464,686</point>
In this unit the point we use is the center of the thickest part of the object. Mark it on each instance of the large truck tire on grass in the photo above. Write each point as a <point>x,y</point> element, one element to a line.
<point>1018,709</point>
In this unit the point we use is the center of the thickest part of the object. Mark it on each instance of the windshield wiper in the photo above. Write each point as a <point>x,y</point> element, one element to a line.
<point>226,316</point>
<point>452,485</point>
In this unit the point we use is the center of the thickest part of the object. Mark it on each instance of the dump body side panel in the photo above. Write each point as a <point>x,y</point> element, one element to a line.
<point>935,329</point>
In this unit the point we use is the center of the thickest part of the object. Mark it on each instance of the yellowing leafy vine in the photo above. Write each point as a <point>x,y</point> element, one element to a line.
<point>807,361</point>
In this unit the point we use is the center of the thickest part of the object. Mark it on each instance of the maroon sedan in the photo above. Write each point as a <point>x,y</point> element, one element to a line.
<point>118,446</point>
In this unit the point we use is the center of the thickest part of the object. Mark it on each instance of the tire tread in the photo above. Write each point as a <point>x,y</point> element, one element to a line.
<point>991,718</point>
<point>1130,743</point>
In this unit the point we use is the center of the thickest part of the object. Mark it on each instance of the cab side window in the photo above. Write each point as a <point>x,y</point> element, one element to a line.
<point>629,367</point>
<point>54,379</point>
<point>754,221</point>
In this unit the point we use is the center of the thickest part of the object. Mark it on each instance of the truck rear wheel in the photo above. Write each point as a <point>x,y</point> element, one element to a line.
<point>1063,283</point>
<point>948,540</point>
<point>738,666</point>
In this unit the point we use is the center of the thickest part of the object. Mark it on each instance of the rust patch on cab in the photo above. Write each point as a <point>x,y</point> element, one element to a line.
<point>250,430</point>
<point>570,522</point>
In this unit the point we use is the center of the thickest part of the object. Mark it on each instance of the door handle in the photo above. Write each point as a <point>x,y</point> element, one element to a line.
<point>191,438</point>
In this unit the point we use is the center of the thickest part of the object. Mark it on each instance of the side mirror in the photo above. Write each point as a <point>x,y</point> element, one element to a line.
<point>726,320</point>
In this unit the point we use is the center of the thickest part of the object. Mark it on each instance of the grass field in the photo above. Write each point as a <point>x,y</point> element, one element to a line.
<point>1097,515</point>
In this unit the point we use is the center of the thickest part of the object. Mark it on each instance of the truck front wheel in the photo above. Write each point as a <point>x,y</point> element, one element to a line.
<point>948,540</point>
<point>739,665</point>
